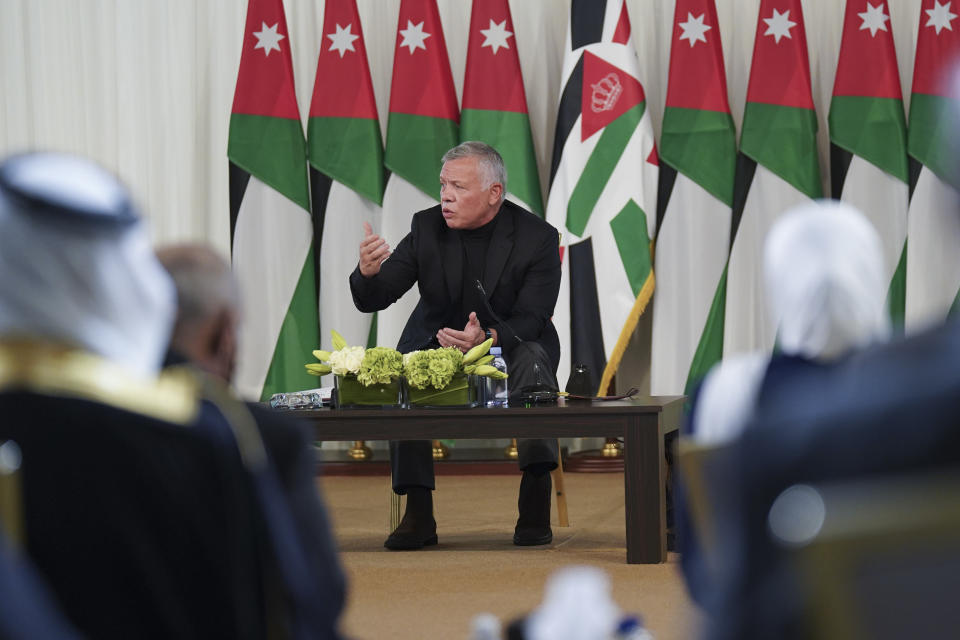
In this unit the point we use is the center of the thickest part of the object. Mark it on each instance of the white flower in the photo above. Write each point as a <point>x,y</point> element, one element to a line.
<point>346,360</point>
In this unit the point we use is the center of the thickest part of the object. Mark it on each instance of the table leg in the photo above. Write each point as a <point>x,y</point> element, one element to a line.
<point>644,495</point>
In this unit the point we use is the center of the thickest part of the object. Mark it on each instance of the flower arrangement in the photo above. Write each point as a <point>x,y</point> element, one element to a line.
<point>378,365</point>
<point>437,367</point>
<point>434,377</point>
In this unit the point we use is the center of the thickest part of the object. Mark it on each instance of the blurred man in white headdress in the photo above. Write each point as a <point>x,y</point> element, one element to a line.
<point>139,520</point>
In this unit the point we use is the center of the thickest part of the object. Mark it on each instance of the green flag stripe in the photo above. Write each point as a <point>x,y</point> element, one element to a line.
<point>509,133</point>
<point>702,145</point>
<point>710,348</point>
<point>784,140</point>
<point>414,147</point>
<point>931,135</point>
<point>349,150</point>
<point>630,233</point>
<point>872,128</point>
<point>955,306</point>
<point>299,335</point>
<point>897,294</point>
<point>272,150</point>
<point>600,165</point>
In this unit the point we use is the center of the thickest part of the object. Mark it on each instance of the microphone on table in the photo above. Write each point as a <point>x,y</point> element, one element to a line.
<point>493,314</point>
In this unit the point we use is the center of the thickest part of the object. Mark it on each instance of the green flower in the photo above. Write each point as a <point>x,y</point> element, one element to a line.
<point>434,367</point>
<point>379,366</point>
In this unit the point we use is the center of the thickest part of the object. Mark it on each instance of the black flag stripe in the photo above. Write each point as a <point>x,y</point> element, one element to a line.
<point>586,22</point>
<point>840,160</point>
<point>567,115</point>
<point>238,179</point>
<point>586,333</point>
<point>746,168</point>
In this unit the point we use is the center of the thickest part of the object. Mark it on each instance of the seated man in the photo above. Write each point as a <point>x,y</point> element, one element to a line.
<point>485,268</point>
<point>205,335</point>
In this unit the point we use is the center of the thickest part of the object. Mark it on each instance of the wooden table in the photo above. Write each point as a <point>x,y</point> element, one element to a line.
<point>641,422</point>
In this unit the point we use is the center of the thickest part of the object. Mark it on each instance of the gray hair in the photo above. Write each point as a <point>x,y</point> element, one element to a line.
<point>489,160</point>
<point>204,282</point>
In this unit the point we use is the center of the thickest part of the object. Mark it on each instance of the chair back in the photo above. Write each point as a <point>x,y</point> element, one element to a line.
<point>11,498</point>
<point>702,468</point>
<point>875,558</point>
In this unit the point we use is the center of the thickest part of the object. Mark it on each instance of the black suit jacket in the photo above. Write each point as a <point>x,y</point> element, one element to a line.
<point>521,280</point>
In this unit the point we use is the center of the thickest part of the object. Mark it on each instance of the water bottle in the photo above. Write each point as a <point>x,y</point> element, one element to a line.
<point>497,389</point>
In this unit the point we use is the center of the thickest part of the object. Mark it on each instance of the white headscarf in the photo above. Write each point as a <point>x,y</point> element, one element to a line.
<point>826,281</point>
<point>826,285</point>
<point>76,265</point>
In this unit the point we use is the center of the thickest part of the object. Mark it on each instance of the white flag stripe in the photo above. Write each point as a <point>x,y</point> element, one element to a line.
<point>933,257</point>
<point>748,325</point>
<point>270,245</point>
<point>690,255</point>
<point>400,201</point>
<point>342,232</point>
<point>883,200</point>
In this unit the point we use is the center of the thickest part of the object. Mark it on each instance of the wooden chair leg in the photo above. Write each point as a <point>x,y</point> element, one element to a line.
<point>560,491</point>
<point>394,509</point>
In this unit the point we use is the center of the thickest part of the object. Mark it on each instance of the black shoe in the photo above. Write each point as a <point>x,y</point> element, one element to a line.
<point>410,540</point>
<point>417,529</point>
<point>533,525</point>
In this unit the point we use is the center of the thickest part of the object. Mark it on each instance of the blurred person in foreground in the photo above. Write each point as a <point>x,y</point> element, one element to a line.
<point>473,236</point>
<point>823,272</point>
<point>823,411</point>
<point>140,524</point>
<point>205,336</point>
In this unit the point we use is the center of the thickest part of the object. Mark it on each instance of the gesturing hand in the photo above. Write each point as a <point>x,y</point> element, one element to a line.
<point>471,336</point>
<point>373,251</point>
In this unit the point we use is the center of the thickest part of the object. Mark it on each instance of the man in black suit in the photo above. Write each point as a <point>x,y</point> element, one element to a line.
<point>485,268</point>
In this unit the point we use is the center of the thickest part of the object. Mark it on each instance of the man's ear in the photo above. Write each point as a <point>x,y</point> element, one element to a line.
<point>496,193</point>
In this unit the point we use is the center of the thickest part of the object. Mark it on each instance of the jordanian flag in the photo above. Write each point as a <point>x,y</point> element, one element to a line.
<point>698,154</point>
<point>933,253</point>
<point>346,159</point>
<point>494,102</point>
<point>271,229</point>
<point>603,190</point>
<point>422,127</point>
<point>777,167</point>
<point>868,136</point>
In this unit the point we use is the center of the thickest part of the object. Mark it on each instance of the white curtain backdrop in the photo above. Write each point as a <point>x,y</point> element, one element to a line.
<point>146,87</point>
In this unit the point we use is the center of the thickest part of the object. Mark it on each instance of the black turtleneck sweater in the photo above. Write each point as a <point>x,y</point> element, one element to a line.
<point>475,243</point>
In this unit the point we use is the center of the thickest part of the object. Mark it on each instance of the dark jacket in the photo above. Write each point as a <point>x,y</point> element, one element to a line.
<point>521,280</point>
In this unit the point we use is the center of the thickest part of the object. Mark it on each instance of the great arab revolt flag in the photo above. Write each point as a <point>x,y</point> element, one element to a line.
<point>698,154</point>
<point>777,167</point>
<point>346,159</point>
<point>271,229</point>
<point>422,126</point>
<point>933,250</point>
<point>494,101</point>
<point>868,136</point>
<point>603,190</point>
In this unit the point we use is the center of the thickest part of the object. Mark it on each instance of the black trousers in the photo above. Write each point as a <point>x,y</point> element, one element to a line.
<point>411,461</point>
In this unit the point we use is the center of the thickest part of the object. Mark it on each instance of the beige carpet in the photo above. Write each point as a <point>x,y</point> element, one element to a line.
<point>435,593</point>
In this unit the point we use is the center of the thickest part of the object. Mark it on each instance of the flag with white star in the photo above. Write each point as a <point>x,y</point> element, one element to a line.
<point>346,165</point>
<point>777,167</point>
<point>868,136</point>
<point>270,224</point>
<point>495,103</point>
<point>698,153</point>
<point>422,125</point>
<point>603,191</point>
<point>933,261</point>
